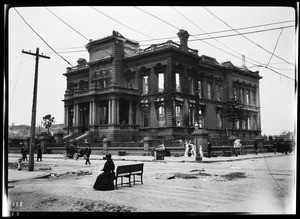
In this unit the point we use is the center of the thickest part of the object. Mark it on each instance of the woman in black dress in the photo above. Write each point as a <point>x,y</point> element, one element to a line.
<point>105,181</point>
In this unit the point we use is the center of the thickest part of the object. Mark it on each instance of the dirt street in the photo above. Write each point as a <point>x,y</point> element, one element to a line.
<point>255,186</point>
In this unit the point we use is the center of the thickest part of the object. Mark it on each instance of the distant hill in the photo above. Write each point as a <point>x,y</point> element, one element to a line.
<point>23,131</point>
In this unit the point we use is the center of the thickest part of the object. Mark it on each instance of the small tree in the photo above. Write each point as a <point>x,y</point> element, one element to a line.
<point>47,121</point>
<point>235,111</point>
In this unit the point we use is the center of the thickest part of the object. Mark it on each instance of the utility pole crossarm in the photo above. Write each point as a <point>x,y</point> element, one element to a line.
<point>36,54</point>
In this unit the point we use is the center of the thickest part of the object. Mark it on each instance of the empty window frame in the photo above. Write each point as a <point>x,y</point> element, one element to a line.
<point>178,115</point>
<point>178,82</point>
<point>200,89</point>
<point>145,88</point>
<point>161,116</point>
<point>161,82</point>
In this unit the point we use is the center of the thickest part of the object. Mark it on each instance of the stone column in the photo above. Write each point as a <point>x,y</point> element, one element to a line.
<point>90,113</point>
<point>76,114</point>
<point>66,116</point>
<point>114,109</point>
<point>147,141</point>
<point>200,139</point>
<point>94,113</point>
<point>109,112</point>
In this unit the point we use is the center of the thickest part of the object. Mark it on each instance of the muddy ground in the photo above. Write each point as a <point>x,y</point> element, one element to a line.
<point>253,186</point>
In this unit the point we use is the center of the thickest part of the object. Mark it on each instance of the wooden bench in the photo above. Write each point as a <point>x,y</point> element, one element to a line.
<point>127,171</point>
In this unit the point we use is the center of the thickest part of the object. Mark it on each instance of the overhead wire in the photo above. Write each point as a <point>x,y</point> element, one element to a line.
<point>13,93</point>
<point>246,37</point>
<point>221,36</point>
<point>120,22</point>
<point>261,65</point>
<point>42,38</point>
<point>67,24</point>
<point>274,48</point>
<point>205,32</point>
<point>74,30</point>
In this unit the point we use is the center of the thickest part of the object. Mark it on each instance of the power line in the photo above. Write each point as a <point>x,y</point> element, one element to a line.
<point>17,79</point>
<point>246,37</point>
<point>251,32</point>
<point>74,30</point>
<point>261,65</point>
<point>42,38</point>
<point>120,22</point>
<point>157,18</point>
<point>66,23</point>
<point>274,48</point>
<point>222,36</point>
<point>223,31</point>
<point>205,32</point>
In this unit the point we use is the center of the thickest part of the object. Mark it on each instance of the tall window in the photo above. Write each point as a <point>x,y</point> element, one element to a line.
<point>200,118</point>
<point>247,97</point>
<point>146,117</point>
<point>145,85</point>
<point>209,96</point>
<point>71,117</point>
<point>191,86</point>
<point>253,101</point>
<point>219,120</point>
<point>178,85</point>
<point>103,115</point>
<point>161,81</point>
<point>243,124</point>
<point>191,115</point>
<point>178,112</point>
<point>200,89</point>
<point>241,95</point>
<point>235,92</point>
<point>218,92</point>
<point>161,116</point>
<point>237,124</point>
<point>248,123</point>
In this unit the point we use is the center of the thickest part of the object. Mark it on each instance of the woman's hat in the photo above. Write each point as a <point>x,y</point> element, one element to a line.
<point>108,156</point>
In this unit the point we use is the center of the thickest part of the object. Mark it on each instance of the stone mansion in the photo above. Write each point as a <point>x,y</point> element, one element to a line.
<point>124,93</point>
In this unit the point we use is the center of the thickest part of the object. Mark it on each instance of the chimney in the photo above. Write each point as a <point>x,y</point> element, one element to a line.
<point>244,63</point>
<point>183,36</point>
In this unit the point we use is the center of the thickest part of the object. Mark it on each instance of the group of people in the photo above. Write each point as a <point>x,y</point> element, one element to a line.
<point>24,152</point>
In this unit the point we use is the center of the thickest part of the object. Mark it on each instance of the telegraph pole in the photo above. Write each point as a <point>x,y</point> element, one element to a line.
<point>33,114</point>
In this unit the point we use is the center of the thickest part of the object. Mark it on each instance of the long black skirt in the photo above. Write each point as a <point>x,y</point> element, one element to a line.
<point>105,181</point>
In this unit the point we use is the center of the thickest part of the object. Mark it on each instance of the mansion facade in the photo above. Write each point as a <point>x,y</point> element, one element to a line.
<point>124,93</point>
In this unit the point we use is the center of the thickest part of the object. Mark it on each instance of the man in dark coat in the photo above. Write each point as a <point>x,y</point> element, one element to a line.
<point>88,152</point>
<point>105,181</point>
<point>256,147</point>
<point>24,152</point>
<point>39,153</point>
<point>209,148</point>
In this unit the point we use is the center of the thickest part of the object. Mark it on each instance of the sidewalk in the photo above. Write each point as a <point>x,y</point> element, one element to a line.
<point>15,175</point>
<point>166,159</point>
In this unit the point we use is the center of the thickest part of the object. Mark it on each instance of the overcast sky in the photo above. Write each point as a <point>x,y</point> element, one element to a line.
<point>271,30</point>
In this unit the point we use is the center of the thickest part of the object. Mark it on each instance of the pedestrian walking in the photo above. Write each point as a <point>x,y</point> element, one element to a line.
<point>209,148</point>
<point>275,146</point>
<point>24,152</point>
<point>105,180</point>
<point>88,152</point>
<point>255,147</point>
<point>39,153</point>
